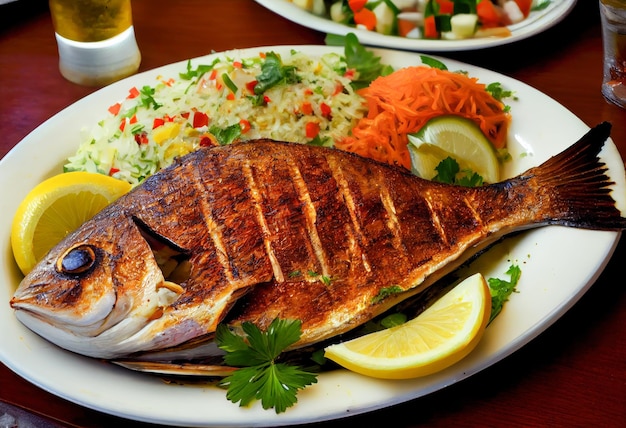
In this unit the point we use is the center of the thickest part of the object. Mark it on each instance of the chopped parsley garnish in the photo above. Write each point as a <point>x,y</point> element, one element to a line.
<point>449,171</point>
<point>501,289</point>
<point>273,72</point>
<point>261,377</point>
<point>147,97</point>
<point>226,135</point>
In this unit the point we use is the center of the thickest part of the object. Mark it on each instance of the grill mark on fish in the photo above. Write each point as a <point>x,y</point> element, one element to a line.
<point>358,240</point>
<point>212,227</point>
<point>310,216</point>
<point>261,217</point>
<point>434,215</point>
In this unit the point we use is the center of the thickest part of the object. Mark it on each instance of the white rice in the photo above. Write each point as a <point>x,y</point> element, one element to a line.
<point>141,149</point>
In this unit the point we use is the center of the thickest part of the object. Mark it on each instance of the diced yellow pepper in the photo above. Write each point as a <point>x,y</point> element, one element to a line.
<point>165,132</point>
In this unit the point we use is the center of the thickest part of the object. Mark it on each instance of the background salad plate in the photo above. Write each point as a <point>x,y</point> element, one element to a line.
<point>536,22</point>
<point>558,265</point>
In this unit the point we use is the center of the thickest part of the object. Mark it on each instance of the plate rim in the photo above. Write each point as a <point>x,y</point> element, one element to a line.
<point>545,19</point>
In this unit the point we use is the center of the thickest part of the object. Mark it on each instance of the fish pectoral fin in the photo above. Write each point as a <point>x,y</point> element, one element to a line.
<point>172,259</point>
<point>176,369</point>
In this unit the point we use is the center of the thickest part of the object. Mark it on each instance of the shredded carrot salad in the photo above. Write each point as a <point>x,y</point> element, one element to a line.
<point>402,102</point>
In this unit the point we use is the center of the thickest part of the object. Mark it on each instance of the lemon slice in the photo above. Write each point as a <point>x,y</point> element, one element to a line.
<point>437,338</point>
<point>56,207</point>
<point>458,138</point>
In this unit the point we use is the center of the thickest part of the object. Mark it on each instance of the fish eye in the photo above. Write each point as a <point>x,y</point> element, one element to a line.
<point>77,260</point>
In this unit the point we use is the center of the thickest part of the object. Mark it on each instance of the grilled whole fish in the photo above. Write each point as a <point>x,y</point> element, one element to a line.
<point>258,230</point>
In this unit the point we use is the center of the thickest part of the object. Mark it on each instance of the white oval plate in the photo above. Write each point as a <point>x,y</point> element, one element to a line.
<point>558,266</point>
<point>535,23</point>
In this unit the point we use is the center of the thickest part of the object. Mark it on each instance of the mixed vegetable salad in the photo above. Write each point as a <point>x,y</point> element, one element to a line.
<point>427,19</point>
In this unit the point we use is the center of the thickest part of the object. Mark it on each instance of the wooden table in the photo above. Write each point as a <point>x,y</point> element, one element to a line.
<point>573,375</point>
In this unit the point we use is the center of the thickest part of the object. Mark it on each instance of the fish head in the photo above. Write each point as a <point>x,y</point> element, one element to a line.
<point>94,290</point>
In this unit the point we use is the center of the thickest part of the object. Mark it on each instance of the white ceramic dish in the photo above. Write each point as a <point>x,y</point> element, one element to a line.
<point>558,266</point>
<point>535,23</point>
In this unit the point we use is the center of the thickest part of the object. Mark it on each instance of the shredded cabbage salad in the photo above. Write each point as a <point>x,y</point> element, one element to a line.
<point>293,98</point>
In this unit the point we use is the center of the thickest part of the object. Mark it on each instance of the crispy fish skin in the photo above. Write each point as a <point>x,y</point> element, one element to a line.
<point>273,229</point>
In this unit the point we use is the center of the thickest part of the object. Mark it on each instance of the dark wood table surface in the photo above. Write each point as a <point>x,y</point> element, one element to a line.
<point>572,375</point>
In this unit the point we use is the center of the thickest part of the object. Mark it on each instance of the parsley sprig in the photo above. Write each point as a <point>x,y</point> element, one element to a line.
<point>261,376</point>
<point>501,289</point>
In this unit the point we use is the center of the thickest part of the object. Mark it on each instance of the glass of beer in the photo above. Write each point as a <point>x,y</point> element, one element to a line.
<point>96,40</point>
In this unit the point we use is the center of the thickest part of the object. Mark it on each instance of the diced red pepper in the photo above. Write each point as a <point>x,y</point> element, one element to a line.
<point>312,129</point>
<point>230,96</point>
<point>141,138</point>
<point>115,109</point>
<point>245,126</point>
<point>251,85</point>
<point>133,93</point>
<point>157,122</point>
<point>237,64</point>
<point>338,88</point>
<point>262,55</point>
<point>200,119</point>
<point>430,27</point>
<point>213,74</point>
<point>308,91</point>
<point>326,110</point>
<point>133,119</point>
<point>185,115</point>
<point>123,124</point>
<point>349,73</point>
<point>266,99</point>
<point>113,171</point>
<point>208,141</point>
<point>306,108</point>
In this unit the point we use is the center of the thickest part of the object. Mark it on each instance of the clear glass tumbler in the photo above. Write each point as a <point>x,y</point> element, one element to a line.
<point>96,40</point>
<point>613,17</point>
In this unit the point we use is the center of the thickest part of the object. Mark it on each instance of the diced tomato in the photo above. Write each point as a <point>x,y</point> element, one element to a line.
<point>157,122</point>
<point>308,91</point>
<point>237,64</point>
<point>133,119</point>
<point>266,99</point>
<point>230,96</point>
<point>115,109</point>
<point>326,110</point>
<point>446,7</point>
<point>245,126</point>
<point>356,5</point>
<point>524,6</point>
<point>262,55</point>
<point>366,18</point>
<point>487,13</point>
<point>200,119</point>
<point>123,124</point>
<point>306,108</point>
<point>430,27</point>
<point>312,129</point>
<point>133,93</point>
<point>213,74</point>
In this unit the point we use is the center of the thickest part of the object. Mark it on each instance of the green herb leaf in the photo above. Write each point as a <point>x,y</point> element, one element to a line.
<point>386,292</point>
<point>449,171</point>
<point>226,135</point>
<point>273,73</point>
<point>146,97</point>
<point>261,377</point>
<point>432,62</point>
<point>365,62</point>
<point>501,290</point>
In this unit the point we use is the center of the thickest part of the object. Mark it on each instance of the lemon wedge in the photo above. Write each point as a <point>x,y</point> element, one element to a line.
<point>54,208</point>
<point>437,338</point>
<point>458,138</point>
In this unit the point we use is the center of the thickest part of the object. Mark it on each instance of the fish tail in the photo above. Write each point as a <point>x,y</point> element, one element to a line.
<point>580,189</point>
